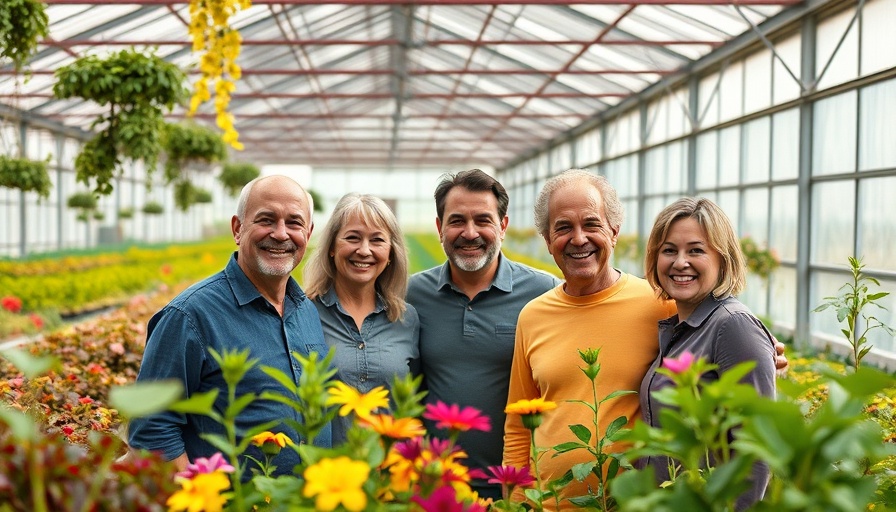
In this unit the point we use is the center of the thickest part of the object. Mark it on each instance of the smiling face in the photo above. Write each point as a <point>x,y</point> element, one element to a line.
<point>470,229</point>
<point>273,234</point>
<point>360,253</point>
<point>688,267</point>
<point>580,238</point>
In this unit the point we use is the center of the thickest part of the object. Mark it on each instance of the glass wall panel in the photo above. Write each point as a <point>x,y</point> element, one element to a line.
<point>879,338</point>
<point>786,145</point>
<point>833,223</point>
<point>731,92</point>
<point>877,110</point>
<point>786,71</point>
<point>755,295</point>
<point>755,215</point>
<point>834,134</point>
<point>657,121</point>
<point>588,148</point>
<point>679,122</point>
<point>878,19</point>
<point>758,80</point>
<point>708,114</point>
<point>729,200</point>
<point>729,156</point>
<point>843,65</point>
<point>782,301</point>
<point>707,160</point>
<point>757,140</point>
<point>783,231</point>
<point>877,223</point>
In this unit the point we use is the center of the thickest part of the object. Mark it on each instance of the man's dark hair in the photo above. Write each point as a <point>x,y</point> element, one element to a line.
<point>473,180</point>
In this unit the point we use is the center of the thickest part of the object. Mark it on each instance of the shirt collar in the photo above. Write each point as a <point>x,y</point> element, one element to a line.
<point>245,292</point>
<point>704,311</point>
<point>503,279</point>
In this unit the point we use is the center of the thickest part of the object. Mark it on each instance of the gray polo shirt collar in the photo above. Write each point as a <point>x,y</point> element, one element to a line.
<point>700,315</point>
<point>503,277</point>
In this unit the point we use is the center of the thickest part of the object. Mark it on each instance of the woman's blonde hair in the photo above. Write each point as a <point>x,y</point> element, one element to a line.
<point>719,234</point>
<point>320,271</point>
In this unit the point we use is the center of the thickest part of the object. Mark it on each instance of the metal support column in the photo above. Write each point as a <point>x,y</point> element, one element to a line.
<point>804,187</point>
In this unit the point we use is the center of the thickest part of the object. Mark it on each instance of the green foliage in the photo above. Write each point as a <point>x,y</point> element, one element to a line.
<point>136,86</point>
<point>189,142</point>
<point>852,306</point>
<point>235,175</point>
<point>317,200</point>
<point>82,201</point>
<point>22,24</point>
<point>153,208</point>
<point>186,194</point>
<point>126,213</point>
<point>761,261</point>
<point>818,463</point>
<point>26,175</point>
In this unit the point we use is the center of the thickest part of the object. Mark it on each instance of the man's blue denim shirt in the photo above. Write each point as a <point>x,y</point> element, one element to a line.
<point>226,312</point>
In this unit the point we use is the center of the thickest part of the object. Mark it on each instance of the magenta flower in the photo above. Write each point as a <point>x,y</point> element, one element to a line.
<point>679,365</point>
<point>444,499</point>
<point>510,476</point>
<point>206,465</point>
<point>452,417</point>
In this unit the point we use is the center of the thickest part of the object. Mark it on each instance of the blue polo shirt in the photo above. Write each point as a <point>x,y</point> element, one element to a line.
<point>226,312</point>
<point>466,347</point>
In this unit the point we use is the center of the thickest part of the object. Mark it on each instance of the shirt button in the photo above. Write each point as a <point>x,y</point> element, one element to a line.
<point>361,346</point>
<point>469,308</point>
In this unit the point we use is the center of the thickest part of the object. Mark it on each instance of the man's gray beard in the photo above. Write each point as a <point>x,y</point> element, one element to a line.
<point>478,263</point>
<point>275,270</point>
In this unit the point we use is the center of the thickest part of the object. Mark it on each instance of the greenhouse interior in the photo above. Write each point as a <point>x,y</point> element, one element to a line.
<point>776,110</point>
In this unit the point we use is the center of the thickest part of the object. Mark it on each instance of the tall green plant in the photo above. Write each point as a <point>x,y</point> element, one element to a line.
<point>852,305</point>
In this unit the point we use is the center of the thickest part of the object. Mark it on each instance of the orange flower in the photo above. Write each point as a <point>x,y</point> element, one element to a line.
<point>534,406</point>
<point>396,428</point>
<point>280,439</point>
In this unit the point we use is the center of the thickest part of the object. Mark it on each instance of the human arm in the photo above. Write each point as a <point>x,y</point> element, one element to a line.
<point>517,438</point>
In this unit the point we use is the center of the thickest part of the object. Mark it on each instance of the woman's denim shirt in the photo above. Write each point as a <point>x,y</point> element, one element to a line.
<point>227,313</point>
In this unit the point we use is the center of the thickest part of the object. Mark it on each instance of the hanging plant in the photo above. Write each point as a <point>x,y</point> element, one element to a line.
<point>317,200</point>
<point>153,208</point>
<point>186,143</point>
<point>25,175</point>
<point>220,43</point>
<point>84,201</point>
<point>184,194</point>
<point>202,196</point>
<point>126,213</point>
<point>135,86</point>
<point>22,24</point>
<point>234,176</point>
<point>99,215</point>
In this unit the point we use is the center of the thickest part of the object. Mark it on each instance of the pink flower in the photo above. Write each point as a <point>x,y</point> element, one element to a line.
<point>510,476</point>
<point>11,303</point>
<point>36,321</point>
<point>117,348</point>
<point>206,465</point>
<point>85,400</point>
<point>452,417</point>
<point>444,499</point>
<point>679,365</point>
<point>94,368</point>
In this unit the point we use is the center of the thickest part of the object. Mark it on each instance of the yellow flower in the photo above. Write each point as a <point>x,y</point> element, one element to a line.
<point>534,406</point>
<point>202,493</point>
<point>351,400</point>
<point>399,428</point>
<point>337,481</point>
<point>280,439</point>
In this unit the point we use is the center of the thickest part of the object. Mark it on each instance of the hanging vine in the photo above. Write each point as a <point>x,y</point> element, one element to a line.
<point>213,35</point>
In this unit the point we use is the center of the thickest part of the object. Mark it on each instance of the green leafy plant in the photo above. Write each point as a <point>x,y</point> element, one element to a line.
<point>235,175</point>
<point>25,174</point>
<point>852,306</point>
<point>126,213</point>
<point>22,24</point>
<point>317,200</point>
<point>760,260</point>
<point>135,86</point>
<point>186,143</point>
<point>82,201</point>
<point>153,208</point>
<point>186,194</point>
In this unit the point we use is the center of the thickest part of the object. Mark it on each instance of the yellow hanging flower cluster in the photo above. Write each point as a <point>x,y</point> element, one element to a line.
<point>213,35</point>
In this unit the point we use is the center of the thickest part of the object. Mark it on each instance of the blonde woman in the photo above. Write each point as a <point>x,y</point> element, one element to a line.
<point>357,278</point>
<point>694,258</point>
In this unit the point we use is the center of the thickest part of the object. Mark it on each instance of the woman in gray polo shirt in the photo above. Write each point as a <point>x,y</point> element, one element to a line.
<point>694,258</point>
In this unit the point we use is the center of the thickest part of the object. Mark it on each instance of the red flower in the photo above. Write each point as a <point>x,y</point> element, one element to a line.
<point>11,303</point>
<point>166,270</point>
<point>452,417</point>
<point>37,321</point>
<point>94,368</point>
<point>85,400</point>
<point>510,476</point>
<point>68,430</point>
